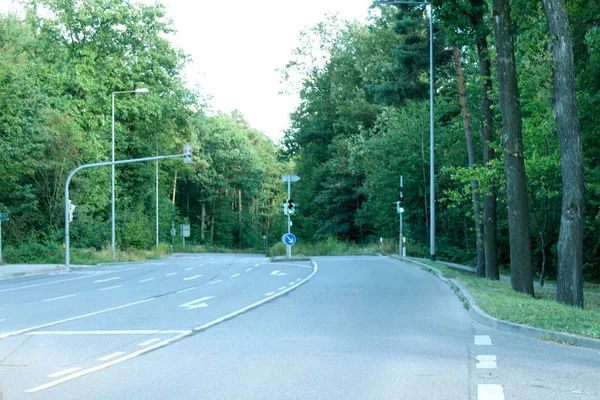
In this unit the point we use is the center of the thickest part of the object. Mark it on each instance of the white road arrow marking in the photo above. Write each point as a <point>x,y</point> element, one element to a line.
<point>278,273</point>
<point>190,305</point>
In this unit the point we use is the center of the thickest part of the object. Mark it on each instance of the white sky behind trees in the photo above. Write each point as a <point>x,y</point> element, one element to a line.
<point>237,45</point>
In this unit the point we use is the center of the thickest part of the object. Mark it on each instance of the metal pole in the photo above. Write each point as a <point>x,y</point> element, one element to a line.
<point>1,243</point>
<point>67,241</point>
<point>400,240</point>
<point>157,196</point>
<point>289,248</point>
<point>431,140</point>
<point>112,185</point>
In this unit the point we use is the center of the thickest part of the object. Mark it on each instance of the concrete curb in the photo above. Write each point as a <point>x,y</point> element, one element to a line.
<point>524,330</point>
<point>12,275</point>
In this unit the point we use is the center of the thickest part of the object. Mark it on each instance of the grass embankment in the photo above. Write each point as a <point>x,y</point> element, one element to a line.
<point>499,300</point>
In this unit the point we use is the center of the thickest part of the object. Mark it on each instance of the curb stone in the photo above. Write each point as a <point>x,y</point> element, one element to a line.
<point>12,275</point>
<point>524,330</point>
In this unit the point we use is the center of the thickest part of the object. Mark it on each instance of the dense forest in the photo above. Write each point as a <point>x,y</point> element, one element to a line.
<point>509,191</point>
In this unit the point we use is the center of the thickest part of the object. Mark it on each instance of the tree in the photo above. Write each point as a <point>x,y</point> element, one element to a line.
<point>512,141</point>
<point>570,243</point>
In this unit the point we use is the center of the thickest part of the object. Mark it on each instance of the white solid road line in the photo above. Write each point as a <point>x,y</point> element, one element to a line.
<point>35,328</point>
<point>189,269</point>
<point>66,280</point>
<point>234,275</point>
<point>192,277</point>
<point>483,340</point>
<point>217,281</point>
<point>172,273</point>
<point>146,280</point>
<point>107,280</point>
<point>63,372</point>
<point>113,355</point>
<point>169,341</point>
<point>490,392</point>
<point>186,290</point>
<point>148,342</point>
<point>131,332</point>
<point>58,298</point>
<point>112,287</point>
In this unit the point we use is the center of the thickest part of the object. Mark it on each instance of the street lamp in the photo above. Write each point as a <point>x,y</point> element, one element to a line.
<point>431,122</point>
<point>112,191</point>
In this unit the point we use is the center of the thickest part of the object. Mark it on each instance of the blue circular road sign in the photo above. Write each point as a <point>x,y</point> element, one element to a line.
<point>289,239</point>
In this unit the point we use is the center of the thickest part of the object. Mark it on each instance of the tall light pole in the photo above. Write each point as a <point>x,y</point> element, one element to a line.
<point>431,123</point>
<point>112,190</point>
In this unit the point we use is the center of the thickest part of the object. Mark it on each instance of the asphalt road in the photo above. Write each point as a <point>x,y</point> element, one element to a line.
<point>222,326</point>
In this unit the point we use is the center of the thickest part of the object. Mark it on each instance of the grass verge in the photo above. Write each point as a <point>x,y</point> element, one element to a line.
<point>330,247</point>
<point>499,300</point>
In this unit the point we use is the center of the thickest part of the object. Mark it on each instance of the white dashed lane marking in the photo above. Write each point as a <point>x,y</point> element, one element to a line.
<point>249,269</point>
<point>107,279</point>
<point>234,275</point>
<point>189,269</point>
<point>192,277</point>
<point>269,294</point>
<point>146,280</point>
<point>256,265</point>
<point>172,273</point>
<point>486,361</point>
<point>186,290</point>
<point>281,288</point>
<point>483,340</point>
<point>217,281</point>
<point>490,392</point>
<point>112,287</point>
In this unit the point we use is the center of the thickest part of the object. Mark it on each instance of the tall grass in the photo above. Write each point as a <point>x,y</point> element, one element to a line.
<point>51,253</point>
<point>333,247</point>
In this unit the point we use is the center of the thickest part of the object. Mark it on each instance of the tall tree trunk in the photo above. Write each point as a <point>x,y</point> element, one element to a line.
<point>471,154</point>
<point>570,240</point>
<point>174,187</point>
<point>487,138</point>
<point>512,141</point>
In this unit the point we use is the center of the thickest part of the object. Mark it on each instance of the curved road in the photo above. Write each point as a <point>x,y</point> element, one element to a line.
<point>223,326</point>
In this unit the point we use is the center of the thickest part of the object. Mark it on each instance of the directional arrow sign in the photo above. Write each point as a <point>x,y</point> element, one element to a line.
<point>289,239</point>
<point>195,304</point>
<point>290,178</point>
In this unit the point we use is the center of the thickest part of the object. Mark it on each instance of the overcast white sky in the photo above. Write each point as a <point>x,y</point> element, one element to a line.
<point>236,45</point>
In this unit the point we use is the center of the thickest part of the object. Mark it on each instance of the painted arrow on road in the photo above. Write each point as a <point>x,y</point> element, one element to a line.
<point>195,304</point>
<point>278,273</point>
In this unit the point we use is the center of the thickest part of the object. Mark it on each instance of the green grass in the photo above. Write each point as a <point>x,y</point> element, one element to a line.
<point>499,300</point>
<point>55,254</point>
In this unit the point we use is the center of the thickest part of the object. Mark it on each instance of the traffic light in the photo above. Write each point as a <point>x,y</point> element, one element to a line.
<point>283,208</point>
<point>290,207</point>
<point>187,150</point>
<point>401,200</point>
<point>73,214</point>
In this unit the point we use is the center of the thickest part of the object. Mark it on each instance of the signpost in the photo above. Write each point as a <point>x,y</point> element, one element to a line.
<point>185,232</point>
<point>3,217</point>
<point>289,179</point>
<point>289,239</point>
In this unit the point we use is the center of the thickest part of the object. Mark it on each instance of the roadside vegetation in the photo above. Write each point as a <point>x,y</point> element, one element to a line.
<point>543,311</point>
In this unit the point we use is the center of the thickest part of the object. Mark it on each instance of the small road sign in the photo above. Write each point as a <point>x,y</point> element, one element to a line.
<point>3,217</point>
<point>289,239</point>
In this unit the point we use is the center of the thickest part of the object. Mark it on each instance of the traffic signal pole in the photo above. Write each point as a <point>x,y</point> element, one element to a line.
<point>400,241</point>
<point>187,155</point>
<point>289,219</point>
